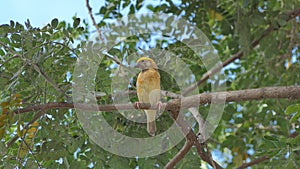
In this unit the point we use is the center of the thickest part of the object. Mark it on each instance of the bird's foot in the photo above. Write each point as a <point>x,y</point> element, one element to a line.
<point>159,105</point>
<point>137,105</point>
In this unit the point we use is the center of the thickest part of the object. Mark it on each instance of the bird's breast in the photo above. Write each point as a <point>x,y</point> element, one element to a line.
<point>147,81</point>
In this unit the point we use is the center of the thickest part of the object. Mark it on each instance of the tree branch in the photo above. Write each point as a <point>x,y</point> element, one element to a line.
<point>190,137</point>
<point>174,106</point>
<point>36,68</point>
<point>116,60</point>
<point>180,155</point>
<point>254,162</point>
<point>49,80</point>
<point>206,156</point>
<point>35,118</point>
<point>93,19</point>
<point>165,93</point>
<point>238,55</point>
<point>291,93</point>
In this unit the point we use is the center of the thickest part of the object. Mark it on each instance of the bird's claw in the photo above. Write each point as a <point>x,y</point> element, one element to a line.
<point>159,105</point>
<point>137,104</point>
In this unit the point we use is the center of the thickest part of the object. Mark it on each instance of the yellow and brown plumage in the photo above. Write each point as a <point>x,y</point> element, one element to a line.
<point>148,89</point>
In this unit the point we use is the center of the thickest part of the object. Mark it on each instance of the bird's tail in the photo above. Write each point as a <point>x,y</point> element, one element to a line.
<point>151,126</point>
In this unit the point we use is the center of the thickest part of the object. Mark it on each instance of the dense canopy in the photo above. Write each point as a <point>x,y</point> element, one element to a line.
<point>255,46</point>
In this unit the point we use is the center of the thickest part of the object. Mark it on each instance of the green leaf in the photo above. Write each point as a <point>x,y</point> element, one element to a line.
<point>257,20</point>
<point>295,108</point>
<point>139,4</point>
<point>150,7</point>
<point>19,27</point>
<point>295,117</point>
<point>76,22</point>
<point>271,138</point>
<point>54,23</point>
<point>282,22</point>
<point>102,10</point>
<point>12,23</point>
<point>4,29</point>
<point>282,19</point>
<point>2,53</point>
<point>131,10</point>
<point>61,24</point>
<point>66,33</point>
<point>16,37</point>
<point>80,29</point>
<point>27,24</point>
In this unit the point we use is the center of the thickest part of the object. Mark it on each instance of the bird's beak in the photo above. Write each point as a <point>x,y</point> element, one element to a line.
<point>137,65</point>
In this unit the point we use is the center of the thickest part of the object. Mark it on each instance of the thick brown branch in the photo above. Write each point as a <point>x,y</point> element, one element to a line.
<point>190,137</point>
<point>238,55</point>
<point>292,92</point>
<point>187,102</point>
<point>205,156</point>
<point>133,92</point>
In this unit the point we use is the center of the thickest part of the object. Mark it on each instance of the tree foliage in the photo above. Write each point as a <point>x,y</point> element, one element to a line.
<point>37,67</point>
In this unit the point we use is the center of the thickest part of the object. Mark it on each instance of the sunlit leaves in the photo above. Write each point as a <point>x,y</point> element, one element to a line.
<point>293,110</point>
<point>27,139</point>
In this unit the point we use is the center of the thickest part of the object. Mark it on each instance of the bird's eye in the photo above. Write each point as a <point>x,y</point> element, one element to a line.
<point>143,60</point>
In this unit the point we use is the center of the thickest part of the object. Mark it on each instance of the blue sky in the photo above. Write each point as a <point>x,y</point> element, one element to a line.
<point>41,12</point>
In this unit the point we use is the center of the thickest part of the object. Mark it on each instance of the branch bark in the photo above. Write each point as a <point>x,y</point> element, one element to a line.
<point>191,138</point>
<point>254,162</point>
<point>93,19</point>
<point>291,93</point>
<point>173,107</point>
<point>180,155</point>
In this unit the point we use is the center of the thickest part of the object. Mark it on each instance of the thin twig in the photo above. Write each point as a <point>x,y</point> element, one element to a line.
<point>116,60</point>
<point>8,60</point>
<point>33,155</point>
<point>238,55</point>
<point>254,162</point>
<point>14,53</point>
<point>7,47</point>
<point>180,155</point>
<point>38,69</point>
<point>210,156</point>
<point>292,43</point>
<point>14,139</point>
<point>93,20</point>
<point>49,80</point>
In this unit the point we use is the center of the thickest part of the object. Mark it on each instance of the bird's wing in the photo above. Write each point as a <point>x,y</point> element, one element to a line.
<point>148,91</point>
<point>148,86</point>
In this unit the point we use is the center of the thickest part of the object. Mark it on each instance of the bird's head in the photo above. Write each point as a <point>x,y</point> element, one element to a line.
<point>145,63</point>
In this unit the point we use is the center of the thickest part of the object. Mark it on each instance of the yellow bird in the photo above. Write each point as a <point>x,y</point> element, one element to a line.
<point>148,89</point>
